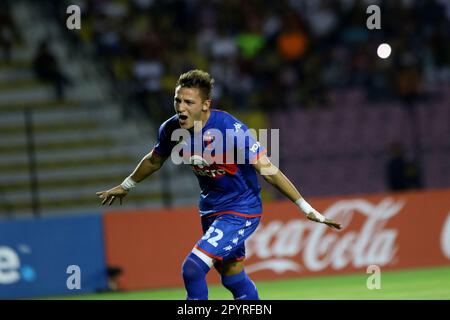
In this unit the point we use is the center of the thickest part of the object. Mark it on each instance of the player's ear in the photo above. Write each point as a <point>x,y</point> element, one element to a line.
<point>206,105</point>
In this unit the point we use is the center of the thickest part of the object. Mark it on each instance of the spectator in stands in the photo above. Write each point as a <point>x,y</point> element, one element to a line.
<point>407,77</point>
<point>254,42</point>
<point>8,32</point>
<point>292,41</point>
<point>46,68</point>
<point>403,174</point>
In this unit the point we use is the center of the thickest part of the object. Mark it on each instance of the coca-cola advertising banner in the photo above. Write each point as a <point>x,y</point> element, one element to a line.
<point>392,231</point>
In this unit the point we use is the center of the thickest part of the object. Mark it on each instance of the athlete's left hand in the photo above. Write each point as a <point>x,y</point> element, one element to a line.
<point>111,194</point>
<point>312,216</point>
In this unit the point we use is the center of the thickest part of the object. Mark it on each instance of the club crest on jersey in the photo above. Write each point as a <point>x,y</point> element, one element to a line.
<point>208,139</point>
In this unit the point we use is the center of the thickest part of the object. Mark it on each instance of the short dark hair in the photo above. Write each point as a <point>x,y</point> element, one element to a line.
<point>197,79</point>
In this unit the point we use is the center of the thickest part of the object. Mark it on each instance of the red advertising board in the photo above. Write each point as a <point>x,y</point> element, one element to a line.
<point>392,231</point>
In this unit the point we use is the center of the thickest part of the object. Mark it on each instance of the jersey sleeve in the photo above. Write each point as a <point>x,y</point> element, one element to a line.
<point>245,143</point>
<point>164,145</point>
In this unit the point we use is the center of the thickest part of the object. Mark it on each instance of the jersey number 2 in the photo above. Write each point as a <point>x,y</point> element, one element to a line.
<point>214,239</point>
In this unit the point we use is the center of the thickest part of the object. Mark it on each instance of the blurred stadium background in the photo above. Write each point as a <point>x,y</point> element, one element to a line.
<point>79,108</point>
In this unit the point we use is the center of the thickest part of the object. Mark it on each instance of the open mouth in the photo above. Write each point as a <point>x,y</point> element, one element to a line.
<point>182,117</point>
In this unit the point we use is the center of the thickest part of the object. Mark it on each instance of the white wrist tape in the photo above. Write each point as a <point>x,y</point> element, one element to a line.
<point>307,209</point>
<point>305,206</point>
<point>128,183</point>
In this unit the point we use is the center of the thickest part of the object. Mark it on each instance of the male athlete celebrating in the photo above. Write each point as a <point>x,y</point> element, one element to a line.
<point>230,202</point>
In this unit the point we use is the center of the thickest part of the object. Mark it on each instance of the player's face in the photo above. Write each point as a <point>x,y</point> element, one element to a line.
<point>190,106</point>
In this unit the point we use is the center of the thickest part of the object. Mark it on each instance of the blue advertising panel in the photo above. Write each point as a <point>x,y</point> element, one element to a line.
<point>52,256</point>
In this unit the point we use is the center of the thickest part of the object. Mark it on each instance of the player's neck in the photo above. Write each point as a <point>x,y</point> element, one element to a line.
<point>203,120</point>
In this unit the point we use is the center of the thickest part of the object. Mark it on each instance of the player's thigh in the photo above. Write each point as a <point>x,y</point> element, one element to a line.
<point>224,238</point>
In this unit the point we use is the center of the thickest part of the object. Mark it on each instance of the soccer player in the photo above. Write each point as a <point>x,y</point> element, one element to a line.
<point>230,202</point>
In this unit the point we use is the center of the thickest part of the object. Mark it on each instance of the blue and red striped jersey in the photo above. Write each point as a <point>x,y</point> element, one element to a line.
<point>221,156</point>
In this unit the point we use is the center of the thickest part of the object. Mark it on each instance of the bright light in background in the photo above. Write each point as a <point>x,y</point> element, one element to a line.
<point>384,50</point>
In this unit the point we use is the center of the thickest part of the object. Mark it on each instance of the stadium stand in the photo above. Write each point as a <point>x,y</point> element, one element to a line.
<point>81,143</point>
<point>313,73</point>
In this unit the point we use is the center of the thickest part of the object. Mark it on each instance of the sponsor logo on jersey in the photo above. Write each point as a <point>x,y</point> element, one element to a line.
<point>201,167</point>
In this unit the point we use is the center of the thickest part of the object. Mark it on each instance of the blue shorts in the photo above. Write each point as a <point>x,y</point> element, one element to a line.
<point>224,236</point>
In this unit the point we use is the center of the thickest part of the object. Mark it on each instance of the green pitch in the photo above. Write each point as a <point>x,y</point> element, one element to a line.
<point>433,283</point>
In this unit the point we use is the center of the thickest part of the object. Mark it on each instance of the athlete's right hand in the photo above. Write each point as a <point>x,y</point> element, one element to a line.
<point>111,195</point>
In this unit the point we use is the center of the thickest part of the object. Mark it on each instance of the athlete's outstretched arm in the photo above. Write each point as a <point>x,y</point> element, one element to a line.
<point>148,165</point>
<point>275,177</point>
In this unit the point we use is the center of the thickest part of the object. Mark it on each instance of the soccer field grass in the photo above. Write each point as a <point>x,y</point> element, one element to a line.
<point>432,283</point>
